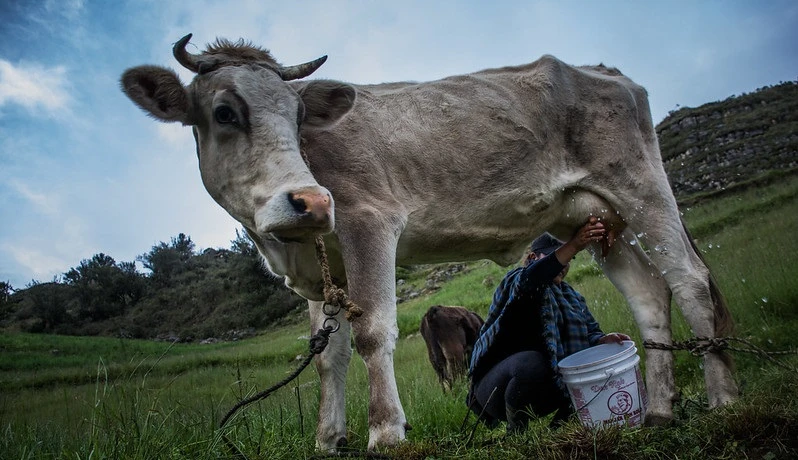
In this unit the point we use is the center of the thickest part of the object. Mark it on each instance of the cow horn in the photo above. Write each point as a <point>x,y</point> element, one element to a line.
<point>185,58</point>
<point>298,71</point>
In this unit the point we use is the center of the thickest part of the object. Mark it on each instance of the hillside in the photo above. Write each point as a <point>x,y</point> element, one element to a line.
<point>189,295</point>
<point>740,141</point>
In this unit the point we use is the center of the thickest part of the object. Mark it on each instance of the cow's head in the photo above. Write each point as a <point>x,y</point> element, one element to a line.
<point>246,120</point>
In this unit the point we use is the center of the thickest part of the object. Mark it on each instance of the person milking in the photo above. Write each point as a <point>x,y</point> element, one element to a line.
<point>535,320</point>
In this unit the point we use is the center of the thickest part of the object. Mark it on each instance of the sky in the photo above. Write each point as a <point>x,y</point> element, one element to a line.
<point>83,171</point>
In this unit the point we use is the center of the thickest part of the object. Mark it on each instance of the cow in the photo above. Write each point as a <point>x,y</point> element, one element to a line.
<point>450,333</point>
<point>463,168</point>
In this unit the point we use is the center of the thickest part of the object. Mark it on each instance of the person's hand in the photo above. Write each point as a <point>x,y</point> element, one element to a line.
<point>592,231</point>
<point>614,337</point>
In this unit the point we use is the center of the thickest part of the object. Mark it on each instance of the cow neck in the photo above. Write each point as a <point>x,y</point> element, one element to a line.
<point>333,295</point>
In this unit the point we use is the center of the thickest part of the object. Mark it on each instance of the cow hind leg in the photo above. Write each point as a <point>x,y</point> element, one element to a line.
<point>648,295</point>
<point>434,352</point>
<point>701,303</point>
<point>633,274</point>
<point>454,352</point>
<point>331,365</point>
<point>656,220</point>
<point>439,363</point>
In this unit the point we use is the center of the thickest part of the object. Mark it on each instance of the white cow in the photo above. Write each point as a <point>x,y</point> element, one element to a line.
<point>467,167</point>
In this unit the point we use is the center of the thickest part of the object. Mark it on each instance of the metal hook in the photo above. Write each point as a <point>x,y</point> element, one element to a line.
<point>331,320</point>
<point>328,313</point>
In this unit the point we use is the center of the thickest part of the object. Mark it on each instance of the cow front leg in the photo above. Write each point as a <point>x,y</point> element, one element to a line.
<point>369,258</point>
<point>331,365</point>
<point>376,344</point>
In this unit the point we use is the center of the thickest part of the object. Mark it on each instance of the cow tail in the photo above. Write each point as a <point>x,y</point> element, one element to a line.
<point>724,323</point>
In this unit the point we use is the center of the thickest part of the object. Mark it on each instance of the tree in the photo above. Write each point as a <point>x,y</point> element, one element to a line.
<point>184,246</point>
<point>243,244</point>
<point>5,292</point>
<point>5,298</point>
<point>104,289</point>
<point>246,264</point>
<point>49,305</point>
<point>167,260</point>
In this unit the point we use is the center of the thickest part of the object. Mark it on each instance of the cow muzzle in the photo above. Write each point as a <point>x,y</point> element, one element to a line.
<point>297,214</point>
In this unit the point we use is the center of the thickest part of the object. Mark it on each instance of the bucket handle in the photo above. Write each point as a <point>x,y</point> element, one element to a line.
<point>609,373</point>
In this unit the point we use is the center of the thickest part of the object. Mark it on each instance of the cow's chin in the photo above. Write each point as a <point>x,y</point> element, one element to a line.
<point>298,235</point>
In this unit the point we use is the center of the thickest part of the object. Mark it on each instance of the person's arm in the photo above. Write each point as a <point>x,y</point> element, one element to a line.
<point>596,336</point>
<point>594,332</point>
<point>538,273</point>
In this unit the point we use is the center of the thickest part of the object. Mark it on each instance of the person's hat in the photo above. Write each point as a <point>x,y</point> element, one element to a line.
<point>545,244</point>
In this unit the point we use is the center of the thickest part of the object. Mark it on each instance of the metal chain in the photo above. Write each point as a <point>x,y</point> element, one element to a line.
<point>699,346</point>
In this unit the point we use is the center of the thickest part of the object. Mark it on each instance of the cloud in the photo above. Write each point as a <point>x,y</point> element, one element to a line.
<point>175,135</point>
<point>34,87</point>
<point>69,9</point>
<point>45,204</point>
<point>38,262</point>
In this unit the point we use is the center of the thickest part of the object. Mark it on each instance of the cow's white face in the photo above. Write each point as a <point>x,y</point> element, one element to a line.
<point>246,122</point>
<point>246,128</point>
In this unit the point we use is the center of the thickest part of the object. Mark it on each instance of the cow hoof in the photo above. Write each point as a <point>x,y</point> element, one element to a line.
<point>330,446</point>
<point>386,436</point>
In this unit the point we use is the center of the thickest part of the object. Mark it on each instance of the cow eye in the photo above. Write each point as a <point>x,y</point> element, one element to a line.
<point>224,115</point>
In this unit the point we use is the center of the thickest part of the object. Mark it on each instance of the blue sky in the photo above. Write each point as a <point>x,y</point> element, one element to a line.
<point>82,170</point>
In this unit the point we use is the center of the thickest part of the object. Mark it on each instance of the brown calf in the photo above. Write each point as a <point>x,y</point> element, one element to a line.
<point>450,333</point>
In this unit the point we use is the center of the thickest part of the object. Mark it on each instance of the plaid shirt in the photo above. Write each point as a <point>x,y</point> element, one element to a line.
<point>566,325</point>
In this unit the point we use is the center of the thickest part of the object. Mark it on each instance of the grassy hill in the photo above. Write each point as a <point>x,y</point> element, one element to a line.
<point>743,140</point>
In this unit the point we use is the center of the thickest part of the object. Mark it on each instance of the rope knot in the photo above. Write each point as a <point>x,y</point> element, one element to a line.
<point>334,295</point>
<point>352,311</point>
<point>319,341</point>
<point>699,346</point>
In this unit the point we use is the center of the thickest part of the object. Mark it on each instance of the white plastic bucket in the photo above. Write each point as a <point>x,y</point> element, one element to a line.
<point>606,385</point>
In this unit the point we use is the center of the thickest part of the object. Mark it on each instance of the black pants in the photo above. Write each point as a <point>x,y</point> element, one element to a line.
<point>522,386</point>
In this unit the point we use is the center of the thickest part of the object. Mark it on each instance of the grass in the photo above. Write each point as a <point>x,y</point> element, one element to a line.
<point>121,398</point>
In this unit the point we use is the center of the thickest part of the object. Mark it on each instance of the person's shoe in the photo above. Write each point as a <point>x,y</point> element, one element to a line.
<point>561,417</point>
<point>517,420</point>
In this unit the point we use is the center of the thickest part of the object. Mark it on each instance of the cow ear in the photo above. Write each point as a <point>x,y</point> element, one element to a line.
<point>326,101</point>
<point>158,91</point>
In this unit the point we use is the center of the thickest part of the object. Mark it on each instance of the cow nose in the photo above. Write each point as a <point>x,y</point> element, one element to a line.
<point>314,204</point>
<point>297,213</point>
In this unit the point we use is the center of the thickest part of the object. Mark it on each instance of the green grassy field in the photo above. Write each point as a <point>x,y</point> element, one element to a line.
<point>81,398</point>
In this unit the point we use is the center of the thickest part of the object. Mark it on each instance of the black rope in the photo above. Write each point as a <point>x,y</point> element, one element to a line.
<point>333,296</point>
<point>479,417</point>
<point>352,454</point>
<point>317,345</point>
<point>700,346</point>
